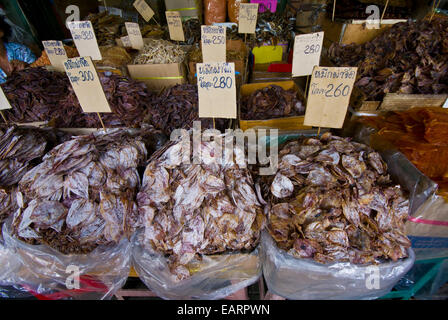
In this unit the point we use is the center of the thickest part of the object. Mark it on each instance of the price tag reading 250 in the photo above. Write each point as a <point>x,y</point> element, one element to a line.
<point>217,90</point>
<point>213,43</point>
<point>86,84</point>
<point>329,96</point>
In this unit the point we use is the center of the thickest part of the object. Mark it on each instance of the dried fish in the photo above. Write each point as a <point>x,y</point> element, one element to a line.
<point>271,102</point>
<point>328,211</point>
<point>83,193</point>
<point>191,210</point>
<point>160,52</point>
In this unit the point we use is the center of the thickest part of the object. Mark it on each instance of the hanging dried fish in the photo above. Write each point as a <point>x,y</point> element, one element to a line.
<point>332,200</point>
<point>83,193</point>
<point>160,52</point>
<point>198,209</point>
<point>271,102</point>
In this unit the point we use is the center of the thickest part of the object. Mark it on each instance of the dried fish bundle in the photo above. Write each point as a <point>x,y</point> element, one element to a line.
<point>410,57</point>
<point>192,209</point>
<point>107,27</point>
<point>192,31</point>
<point>195,55</point>
<point>332,200</point>
<point>160,52</point>
<point>271,102</point>
<point>178,108</point>
<point>83,193</point>
<point>273,28</point>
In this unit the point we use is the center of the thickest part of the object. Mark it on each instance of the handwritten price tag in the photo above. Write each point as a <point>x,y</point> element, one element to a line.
<point>86,84</point>
<point>213,43</point>
<point>270,5</point>
<point>247,17</point>
<point>4,102</point>
<point>175,25</point>
<point>217,91</point>
<point>135,35</point>
<point>144,9</point>
<point>126,42</point>
<point>329,96</point>
<point>307,52</point>
<point>85,39</point>
<point>56,53</point>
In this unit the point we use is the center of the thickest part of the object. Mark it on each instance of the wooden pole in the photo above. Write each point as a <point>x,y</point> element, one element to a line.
<point>334,8</point>
<point>156,21</point>
<point>214,127</point>
<point>434,9</point>
<point>3,116</point>
<point>384,11</point>
<point>101,120</point>
<point>318,132</point>
<point>306,86</point>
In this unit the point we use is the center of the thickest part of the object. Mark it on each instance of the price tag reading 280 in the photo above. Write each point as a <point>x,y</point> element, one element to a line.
<point>217,90</point>
<point>86,84</point>
<point>56,53</point>
<point>85,39</point>
<point>329,96</point>
<point>307,52</point>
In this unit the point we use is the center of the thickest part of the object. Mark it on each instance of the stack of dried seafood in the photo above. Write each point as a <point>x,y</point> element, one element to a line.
<point>178,107</point>
<point>421,135</point>
<point>332,200</point>
<point>192,31</point>
<point>198,209</point>
<point>271,102</point>
<point>40,95</point>
<point>273,28</point>
<point>115,57</point>
<point>107,27</point>
<point>83,193</point>
<point>195,55</point>
<point>21,148</point>
<point>411,57</point>
<point>160,52</point>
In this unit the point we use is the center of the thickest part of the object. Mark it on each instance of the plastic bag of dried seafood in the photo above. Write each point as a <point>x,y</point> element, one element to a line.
<point>302,279</point>
<point>202,221</point>
<point>48,274</point>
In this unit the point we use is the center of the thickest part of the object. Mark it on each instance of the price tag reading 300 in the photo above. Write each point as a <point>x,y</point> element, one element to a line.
<point>307,51</point>
<point>86,84</point>
<point>217,90</point>
<point>329,96</point>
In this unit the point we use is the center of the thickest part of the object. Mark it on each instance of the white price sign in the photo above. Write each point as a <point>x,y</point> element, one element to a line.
<point>307,52</point>
<point>56,53</point>
<point>85,39</point>
<point>135,35</point>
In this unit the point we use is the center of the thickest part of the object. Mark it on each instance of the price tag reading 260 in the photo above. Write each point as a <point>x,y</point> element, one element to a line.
<point>86,84</point>
<point>217,90</point>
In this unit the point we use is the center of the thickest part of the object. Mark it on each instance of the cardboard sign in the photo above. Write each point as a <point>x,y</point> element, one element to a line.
<point>85,39</point>
<point>445,105</point>
<point>247,17</point>
<point>307,52</point>
<point>126,42</point>
<point>144,9</point>
<point>270,5</point>
<point>175,25</point>
<point>56,53</point>
<point>135,35</point>
<point>213,40</point>
<point>329,95</point>
<point>86,84</point>
<point>217,90</point>
<point>4,102</point>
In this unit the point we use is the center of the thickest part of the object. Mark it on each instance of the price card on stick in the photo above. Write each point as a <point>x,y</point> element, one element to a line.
<point>86,84</point>
<point>175,25</point>
<point>329,96</point>
<point>56,53</point>
<point>213,40</point>
<point>85,39</point>
<point>307,52</point>
<point>4,102</point>
<point>217,90</point>
<point>126,42</point>
<point>135,35</point>
<point>247,20</point>
<point>144,9</point>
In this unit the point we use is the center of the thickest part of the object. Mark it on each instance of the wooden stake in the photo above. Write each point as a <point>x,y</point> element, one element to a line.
<point>334,8</point>
<point>384,11</point>
<point>318,132</point>
<point>3,116</point>
<point>214,127</point>
<point>101,120</point>
<point>156,21</point>
<point>306,86</point>
<point>434,9</point>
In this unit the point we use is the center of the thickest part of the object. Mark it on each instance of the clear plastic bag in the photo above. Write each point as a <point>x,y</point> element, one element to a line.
<point>216,276</point>
<point>50,275</point>
<point>299,279</point>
